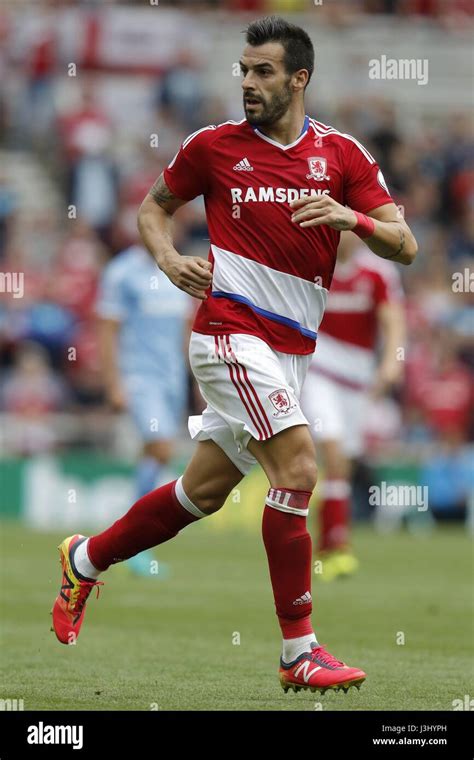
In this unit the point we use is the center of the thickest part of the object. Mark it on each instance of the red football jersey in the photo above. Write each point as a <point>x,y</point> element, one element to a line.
<point>270,276</point>
<point>349,331</point>
<point>358,288</point>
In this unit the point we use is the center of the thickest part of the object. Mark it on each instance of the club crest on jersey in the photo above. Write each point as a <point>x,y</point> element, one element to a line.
<point>281,401</point>
<point>317,168</point>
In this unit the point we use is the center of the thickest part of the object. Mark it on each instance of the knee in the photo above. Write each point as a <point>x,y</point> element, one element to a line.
<point>208,501</point>
<point>307,473</point>
<point>300,473</point>
<point>209,504</point>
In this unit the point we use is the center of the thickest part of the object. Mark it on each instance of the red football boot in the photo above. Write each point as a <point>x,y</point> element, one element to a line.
<point>318,671</point>
<point>69,606</point>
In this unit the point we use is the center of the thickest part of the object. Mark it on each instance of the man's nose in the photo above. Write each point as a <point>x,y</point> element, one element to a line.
<point>247,81</point>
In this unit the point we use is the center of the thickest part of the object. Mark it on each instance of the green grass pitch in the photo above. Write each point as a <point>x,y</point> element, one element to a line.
<point>169,643</point>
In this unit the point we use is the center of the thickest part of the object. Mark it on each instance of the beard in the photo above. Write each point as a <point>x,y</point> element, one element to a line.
<point>268,112</point>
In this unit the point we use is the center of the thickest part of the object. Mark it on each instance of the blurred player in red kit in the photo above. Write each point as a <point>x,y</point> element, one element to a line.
<point>364,305</point>
<point>278,188</point>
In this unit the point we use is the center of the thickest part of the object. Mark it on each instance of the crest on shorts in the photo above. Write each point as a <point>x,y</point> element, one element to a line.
<point>281,401</point>
<point>317,168</point>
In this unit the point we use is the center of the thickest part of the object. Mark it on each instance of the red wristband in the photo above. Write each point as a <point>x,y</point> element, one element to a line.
<point>365,225</point>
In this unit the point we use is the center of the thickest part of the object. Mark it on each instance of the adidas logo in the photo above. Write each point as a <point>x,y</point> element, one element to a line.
<point>243,166</point>
<point>305,599</point>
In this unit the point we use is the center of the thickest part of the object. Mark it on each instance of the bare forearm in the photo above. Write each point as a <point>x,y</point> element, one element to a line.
<point>108,343</point>
<point>393,342</point>
<point>156,231</point>
<point>383,229</point>
<point>108,337</point>
<point>394,241</point>
<point>189,273</point>
<point>392,323</point>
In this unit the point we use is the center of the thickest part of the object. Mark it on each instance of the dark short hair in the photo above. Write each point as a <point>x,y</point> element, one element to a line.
<point>299,51</point>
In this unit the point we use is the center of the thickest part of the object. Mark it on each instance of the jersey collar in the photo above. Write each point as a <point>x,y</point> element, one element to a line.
<point>279,145</point>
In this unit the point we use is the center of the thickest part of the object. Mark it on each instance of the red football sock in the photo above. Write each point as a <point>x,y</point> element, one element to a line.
<point>288,546</point>
<point>153,519</point>
<point>334,515</point>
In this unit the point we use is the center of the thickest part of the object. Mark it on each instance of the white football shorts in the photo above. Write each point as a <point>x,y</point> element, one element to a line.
<point>335,412</point>
<point>251,390</point>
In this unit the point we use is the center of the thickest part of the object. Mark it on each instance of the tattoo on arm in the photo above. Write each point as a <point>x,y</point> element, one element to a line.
<point>402,242</point>
<point>400,247</point>
<point>160,192</point>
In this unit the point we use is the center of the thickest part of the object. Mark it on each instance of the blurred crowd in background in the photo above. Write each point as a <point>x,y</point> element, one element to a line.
<point>335,9</point>
<point>74,173</point>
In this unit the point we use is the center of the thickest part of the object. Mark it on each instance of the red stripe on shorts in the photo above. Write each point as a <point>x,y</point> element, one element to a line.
<point>264,418</point>
<point>236,381</point>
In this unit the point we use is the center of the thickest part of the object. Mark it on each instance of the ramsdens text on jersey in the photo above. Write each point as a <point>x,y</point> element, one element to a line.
<point>273,194</point>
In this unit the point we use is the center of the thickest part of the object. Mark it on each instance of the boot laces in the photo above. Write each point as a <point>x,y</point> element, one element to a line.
<point>84,590</point>
<point>323,656</point>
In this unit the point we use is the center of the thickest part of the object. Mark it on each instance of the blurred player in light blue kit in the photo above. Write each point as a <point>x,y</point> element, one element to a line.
<point>143,332</point>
